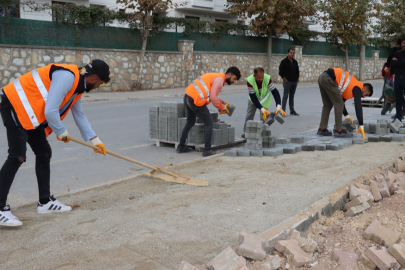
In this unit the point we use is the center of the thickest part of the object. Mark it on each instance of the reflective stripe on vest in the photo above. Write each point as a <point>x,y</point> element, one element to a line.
<point>40,84</point>
<point>265,98</point>
<point>199,90</point>
<point>25,103</point>
<point>342,90</point>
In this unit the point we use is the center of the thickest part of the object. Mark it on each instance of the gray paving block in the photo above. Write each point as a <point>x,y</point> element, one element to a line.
<point>395,125</point>
<point>282,140</point>
<point>231,134</point>
<point>373,138</point>
<point>367,127</point>
<point>231,153</point>
<point>275,152</point>
<point>270,119</point>
<point>243,152</point>
<point>308,147</point>
<point>401,130</point>
<point>249,135</point>
<point>332,146</point>
<point>288,149</point>
<point>279,118</point>
<point>357,140</point>
<point>320,147</point>
<point>381,120</point>
<point>256,153</point>
<point>297,139</point>
<point>397,137</point>
<point>214,116</point>
<point>385,138</point>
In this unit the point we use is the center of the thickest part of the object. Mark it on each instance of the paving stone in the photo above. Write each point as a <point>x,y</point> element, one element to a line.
<point>243,153</point>
<point>356,192</point>
<point>320,147</point>
<point>281,140</point>
<point>251,246</point>
<point>297,139</point>
<point>274,152</point>
<point>279,118</point>
<point>400,165</point>
<point>382,259</point>
<point>367,127</point>
<point>288,149</point>
<point>383,187</point>
<point>256,153</point>
<point>380,234</point>
<point>355,210</point>
<point>386,138</point>
<point>333,147</point>
<point>398,252</point>
<point>308,147</point>
<point>397,137</point>
<point>346,260</point>
<point>291,247</point>
<point>231,153</point>
<point>357,201</point>
<point>373,138</point>
<point>307,245</point>
<point>395,125</point>
<point>362,186</point>
<point>269,263</point>
<point>375,191</point>
<point>226,260</point>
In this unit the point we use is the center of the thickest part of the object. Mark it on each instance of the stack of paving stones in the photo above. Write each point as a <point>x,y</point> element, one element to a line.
<point>384,250</point>
<point>166,123</point>
<point>378,128</point>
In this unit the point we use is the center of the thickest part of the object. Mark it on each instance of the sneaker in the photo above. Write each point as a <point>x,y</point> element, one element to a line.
<point>53,206</point>
<point>342,134</point>
<point>209,153</point>
<point>324,132</point>
<point>8,219</point>
<point>294,113</point>
<point>183,149</point>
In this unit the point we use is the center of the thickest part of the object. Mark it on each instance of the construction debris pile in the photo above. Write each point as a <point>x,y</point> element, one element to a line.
<point>353,238</point>
<point>166,123</point>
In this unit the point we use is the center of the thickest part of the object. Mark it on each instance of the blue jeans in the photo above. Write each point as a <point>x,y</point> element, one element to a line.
<point>399,88</point>
<point>17,138</point>
<point>203,113</point>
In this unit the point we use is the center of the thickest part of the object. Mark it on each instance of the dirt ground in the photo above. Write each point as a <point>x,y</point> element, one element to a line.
<point>146,223</point>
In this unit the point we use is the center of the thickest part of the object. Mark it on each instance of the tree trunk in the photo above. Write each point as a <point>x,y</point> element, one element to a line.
<point>269,46</point>
<point>347,57</point>
<point>144,42</point>
<point>362,57</point>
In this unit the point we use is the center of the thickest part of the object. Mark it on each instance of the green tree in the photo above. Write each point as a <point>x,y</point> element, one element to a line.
<point>273,17</point>
<point>140,16</point>
<point>390,23</point>
<point>345,20</point>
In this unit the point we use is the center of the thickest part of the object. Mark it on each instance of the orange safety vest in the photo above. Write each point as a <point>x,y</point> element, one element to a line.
<point>346,83</point>
<point>200,88</point>
<point>28,95</point>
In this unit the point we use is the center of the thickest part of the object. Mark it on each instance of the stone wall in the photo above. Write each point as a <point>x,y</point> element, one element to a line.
<point>162,69</point>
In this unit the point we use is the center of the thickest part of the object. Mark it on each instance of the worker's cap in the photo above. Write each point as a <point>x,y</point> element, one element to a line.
<point>98,67</point>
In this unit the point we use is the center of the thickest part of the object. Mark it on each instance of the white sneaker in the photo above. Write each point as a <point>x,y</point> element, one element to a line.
<point>8,219</point>
<point>53,206</point>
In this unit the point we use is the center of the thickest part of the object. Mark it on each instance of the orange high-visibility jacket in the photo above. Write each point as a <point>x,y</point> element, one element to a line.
<point>200,88</point>
<point>346,83</point>
<point>28,95</point>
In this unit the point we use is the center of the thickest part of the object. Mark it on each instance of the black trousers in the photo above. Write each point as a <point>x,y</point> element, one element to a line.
<point>399,89</point>
<point>203,113</point>
<point>17,138</point>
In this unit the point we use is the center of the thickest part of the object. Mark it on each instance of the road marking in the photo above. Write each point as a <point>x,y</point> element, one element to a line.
<point>52,162</point>
<point>135,146</point>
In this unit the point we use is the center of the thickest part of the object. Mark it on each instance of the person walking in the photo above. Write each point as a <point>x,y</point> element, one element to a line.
<point>398,68</point>
<point>290,73</point>
<point>201,92</point>
<point>32,107</point>
<point>261,92</point>
<point>336,87</point>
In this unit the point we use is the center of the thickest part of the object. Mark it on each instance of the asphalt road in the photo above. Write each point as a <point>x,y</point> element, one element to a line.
<point>123,127</point>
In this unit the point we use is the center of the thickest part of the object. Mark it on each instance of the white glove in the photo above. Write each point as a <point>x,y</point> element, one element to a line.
<point>262,110</point>
<point>64,136</point>
<point>97,142</point>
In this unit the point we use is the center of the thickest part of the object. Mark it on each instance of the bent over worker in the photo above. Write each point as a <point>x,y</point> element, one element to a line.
<point>201,92</point>
<point>33,106</point>
<point>336,87</point>
<point>261,92</point>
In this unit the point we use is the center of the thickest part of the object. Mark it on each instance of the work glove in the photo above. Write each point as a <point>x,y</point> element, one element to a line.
<point>264,113</point>
<point>96,141</point>
<point>63,137</point>
<point>225,110</point>
<point>387,70</point>
<point>279,110</point>
<point>361,130</point>
<point>349,118</point>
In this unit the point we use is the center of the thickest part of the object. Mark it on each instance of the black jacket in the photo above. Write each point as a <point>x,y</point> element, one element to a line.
<point>289,70</point>
<point>398,66</point>
<point>391,55</point>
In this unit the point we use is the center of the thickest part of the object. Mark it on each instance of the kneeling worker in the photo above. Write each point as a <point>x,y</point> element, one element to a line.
<point>33,106</point>
<point>336,87</point>
<point>198,95</point>
<point>261,89</point>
